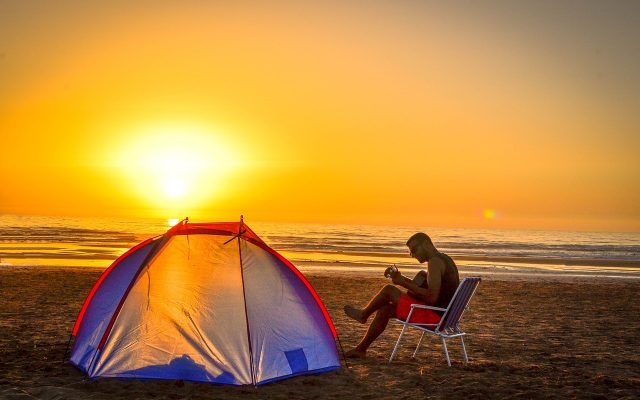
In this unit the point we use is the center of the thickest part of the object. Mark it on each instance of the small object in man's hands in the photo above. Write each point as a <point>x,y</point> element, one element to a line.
<point>391,270</point>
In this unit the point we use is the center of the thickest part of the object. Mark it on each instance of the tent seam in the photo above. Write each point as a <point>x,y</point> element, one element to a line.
<point>246,315</point>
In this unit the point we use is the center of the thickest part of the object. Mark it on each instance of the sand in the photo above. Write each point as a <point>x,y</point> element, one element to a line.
<point>528,338</point>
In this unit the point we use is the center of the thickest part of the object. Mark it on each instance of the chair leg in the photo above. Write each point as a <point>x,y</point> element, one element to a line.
<point>446,352</point>
<point>395,349</point>
<point>418,346</point>
<point>466,359</point>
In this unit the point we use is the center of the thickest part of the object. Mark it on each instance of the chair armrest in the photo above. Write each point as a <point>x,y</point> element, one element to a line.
<point>428,307</point>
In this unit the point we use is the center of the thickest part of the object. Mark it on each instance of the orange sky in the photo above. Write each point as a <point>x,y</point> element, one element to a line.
<point>482,115</point>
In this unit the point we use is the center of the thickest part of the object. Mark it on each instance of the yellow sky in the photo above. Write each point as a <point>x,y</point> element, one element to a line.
<point>483,115</point>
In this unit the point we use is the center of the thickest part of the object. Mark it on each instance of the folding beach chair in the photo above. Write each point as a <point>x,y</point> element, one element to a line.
<point>448,327</point>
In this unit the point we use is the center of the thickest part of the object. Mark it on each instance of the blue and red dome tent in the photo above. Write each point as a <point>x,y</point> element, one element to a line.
<point>204,302</point>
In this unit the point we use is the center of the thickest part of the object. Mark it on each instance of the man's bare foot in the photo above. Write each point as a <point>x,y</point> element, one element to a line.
<point>355,313</point>
<point>354,353</point>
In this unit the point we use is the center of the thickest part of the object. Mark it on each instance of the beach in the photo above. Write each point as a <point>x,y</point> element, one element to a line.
<point>176,176</point>
<point>528,337</point>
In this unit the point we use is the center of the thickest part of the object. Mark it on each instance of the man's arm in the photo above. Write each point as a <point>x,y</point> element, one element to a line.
<point>430,294</point>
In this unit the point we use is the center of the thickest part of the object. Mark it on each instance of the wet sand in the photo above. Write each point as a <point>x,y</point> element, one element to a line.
<point>528,338</point>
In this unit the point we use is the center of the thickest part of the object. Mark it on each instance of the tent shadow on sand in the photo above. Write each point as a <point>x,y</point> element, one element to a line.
<point>189,369</point>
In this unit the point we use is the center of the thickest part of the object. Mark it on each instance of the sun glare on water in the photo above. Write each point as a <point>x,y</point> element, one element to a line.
<point>175,168</point>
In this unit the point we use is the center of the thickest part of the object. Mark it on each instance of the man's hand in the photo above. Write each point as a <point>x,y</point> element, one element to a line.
<point>397,278</point>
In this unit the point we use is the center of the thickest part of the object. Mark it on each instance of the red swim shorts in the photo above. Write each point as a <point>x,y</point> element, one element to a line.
<point>419,315</point>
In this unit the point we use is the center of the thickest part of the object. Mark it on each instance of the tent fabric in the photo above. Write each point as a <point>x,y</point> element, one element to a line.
<point>102,302</point>
<point>207,302</point>
<point>283,318</point>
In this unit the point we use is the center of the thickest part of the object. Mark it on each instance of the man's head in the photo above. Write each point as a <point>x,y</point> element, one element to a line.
<point>420,246</point>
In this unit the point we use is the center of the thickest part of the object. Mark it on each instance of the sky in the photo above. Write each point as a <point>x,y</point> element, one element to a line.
<point>495,114</point>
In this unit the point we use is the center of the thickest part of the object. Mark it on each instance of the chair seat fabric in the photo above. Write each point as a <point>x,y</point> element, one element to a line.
<point>419,315</point>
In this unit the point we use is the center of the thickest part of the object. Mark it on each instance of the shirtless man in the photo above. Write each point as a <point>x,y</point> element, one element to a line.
<point>435,287</point>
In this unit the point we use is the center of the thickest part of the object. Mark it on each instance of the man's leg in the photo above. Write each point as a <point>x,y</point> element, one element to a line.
<point>385,304</point>
<point>378,325</point>
<point>389,294</point>
<point>420,278</point>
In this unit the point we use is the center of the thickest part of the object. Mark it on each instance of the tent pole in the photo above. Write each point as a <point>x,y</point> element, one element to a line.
<point>66,349</point>
<point>246,315</point>
<point>346,364</point>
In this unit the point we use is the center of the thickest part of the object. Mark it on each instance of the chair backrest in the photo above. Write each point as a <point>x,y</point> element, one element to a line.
<point>458,303</point>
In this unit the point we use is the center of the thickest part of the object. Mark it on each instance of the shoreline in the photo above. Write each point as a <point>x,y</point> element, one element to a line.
<point>519,272</point>
<point>587,262</point>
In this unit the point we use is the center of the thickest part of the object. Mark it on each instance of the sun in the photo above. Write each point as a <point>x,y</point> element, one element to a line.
<point>174,188</point>
<point>175,167</point>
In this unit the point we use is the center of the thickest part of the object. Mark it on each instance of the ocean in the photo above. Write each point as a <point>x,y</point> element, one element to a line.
<point>96,242</point>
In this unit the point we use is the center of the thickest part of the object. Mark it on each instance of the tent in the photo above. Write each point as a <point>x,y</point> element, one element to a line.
<point>206,302</point>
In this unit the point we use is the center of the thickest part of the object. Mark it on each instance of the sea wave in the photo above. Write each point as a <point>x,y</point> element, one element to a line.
<point>77,240</point>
